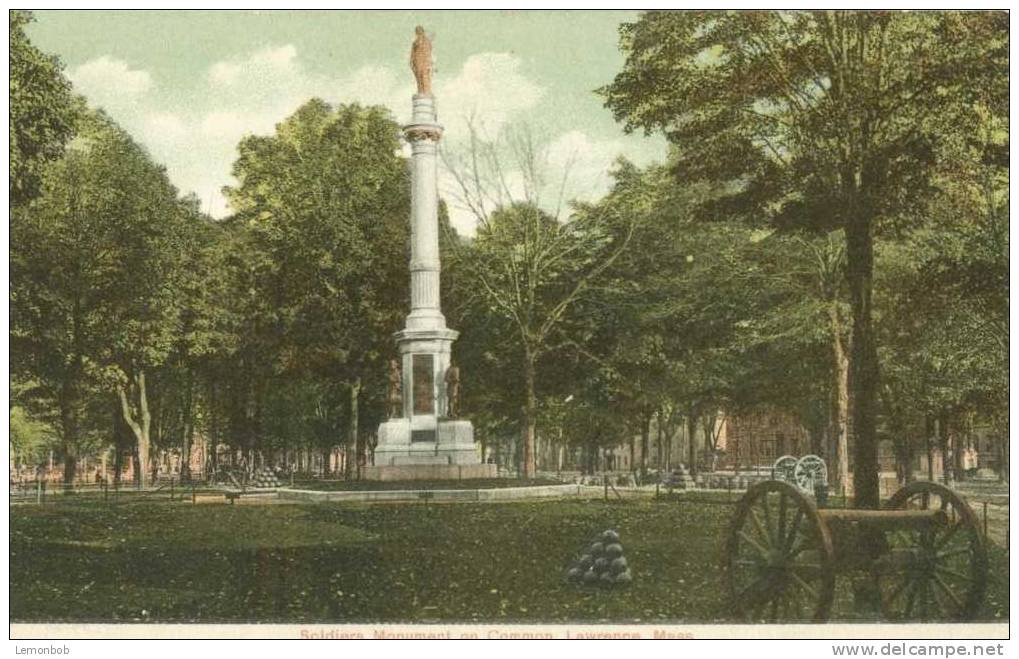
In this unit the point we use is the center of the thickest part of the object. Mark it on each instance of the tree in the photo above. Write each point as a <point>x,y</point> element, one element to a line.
<point>92,263</point>
<point>530,268</point>
<point>530,264</point>
<point>827,119</point>
<point>43,111</point>
<point>326,199</point>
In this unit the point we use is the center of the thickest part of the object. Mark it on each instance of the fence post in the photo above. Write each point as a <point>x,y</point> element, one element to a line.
<point>606,487</point>
<point>106,491</point>
<point>171,488</point>
<point>657,485</point>
<point>194,499</point>
<point>985,521</point>
<point>38,490</point>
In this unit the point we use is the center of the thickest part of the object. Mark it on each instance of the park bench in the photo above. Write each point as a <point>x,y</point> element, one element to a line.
<point>673,480</point>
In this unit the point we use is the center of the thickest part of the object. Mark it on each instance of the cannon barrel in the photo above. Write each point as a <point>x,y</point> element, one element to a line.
<point>886,520</point>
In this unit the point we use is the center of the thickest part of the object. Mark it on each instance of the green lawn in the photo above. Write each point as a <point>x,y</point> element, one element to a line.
<point>160,561</point>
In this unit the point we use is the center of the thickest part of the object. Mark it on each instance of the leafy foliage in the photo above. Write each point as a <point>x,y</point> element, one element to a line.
<point>43,111</point>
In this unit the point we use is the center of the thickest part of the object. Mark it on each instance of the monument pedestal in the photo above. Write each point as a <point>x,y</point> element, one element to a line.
<point>452,455</point>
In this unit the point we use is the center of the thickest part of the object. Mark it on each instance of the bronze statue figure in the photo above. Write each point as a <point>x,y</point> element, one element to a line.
<point>421,61</point>
<point>395,396</point>
<point>452,392</point>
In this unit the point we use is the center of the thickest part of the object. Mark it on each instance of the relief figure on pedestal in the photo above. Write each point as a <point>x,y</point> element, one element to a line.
<point>394,398</point>
<point>453,391</point>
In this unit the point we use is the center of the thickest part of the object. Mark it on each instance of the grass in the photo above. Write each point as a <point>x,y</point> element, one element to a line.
<point>158,561</point>
<point>465,484</point>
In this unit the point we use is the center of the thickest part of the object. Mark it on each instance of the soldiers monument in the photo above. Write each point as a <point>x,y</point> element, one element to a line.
<point>423,438</point>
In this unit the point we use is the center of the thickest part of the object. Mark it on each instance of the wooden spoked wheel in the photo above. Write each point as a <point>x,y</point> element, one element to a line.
<point>809,473</point>
<point>937,572</point>
<point>778,560</point>
<point>784,469</point>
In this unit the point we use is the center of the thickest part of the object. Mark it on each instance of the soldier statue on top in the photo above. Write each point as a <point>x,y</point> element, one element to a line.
<point>421,61</point>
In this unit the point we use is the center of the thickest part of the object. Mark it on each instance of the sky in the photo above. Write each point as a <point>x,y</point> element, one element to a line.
<point>188,85</point>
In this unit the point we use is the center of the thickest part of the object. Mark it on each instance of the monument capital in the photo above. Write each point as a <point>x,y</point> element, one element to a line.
<point>419,132</point>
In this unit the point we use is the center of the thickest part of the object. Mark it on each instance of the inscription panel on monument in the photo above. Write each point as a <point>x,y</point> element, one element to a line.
<point>423,373</point>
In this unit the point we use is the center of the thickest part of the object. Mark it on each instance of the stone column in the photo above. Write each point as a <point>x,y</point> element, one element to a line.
<point>424,135</point>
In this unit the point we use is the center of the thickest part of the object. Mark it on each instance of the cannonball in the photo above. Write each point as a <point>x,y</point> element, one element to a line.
<point>574,574</point>
<point>610,536</point>
<point>619,564</point>
<point>590,576</point>
<point>614,550</point>
<point>586,561</point>
<point>607,579</point>
<point>601,564</point>
<point>597,549</point>
<point>624,577</point>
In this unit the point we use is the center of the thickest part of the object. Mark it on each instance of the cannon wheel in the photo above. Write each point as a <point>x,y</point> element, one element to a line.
<point>809,473</point>
<point>784,469</point>
<point>938,573</point>
<point>778,561</point>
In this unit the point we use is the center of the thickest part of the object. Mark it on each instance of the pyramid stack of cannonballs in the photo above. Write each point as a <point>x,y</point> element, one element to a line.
<point>264,477</point>
<point>602,563</point>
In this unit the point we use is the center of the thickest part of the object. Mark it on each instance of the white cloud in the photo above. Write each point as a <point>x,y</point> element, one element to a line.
<point>230,126</point>
<point>490,90</point>
<point>573,166</point>
<point>163,128</point>
<point>165,135</point>
<point>269,63</point>
<point>110,82</point>
<point>586,162</point>
<point>372,85</point>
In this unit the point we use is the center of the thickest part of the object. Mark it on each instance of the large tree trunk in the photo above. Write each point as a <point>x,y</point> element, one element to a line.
<point>352,461</point>
<point>840,401</point>
<point>946,465</point>
<point>69,429</point>
<point>660,431</point>
<point>530,407</point>
<point>928,434</point>
<point>691,447</point>
<point>136,415</point>
<point>958,444</point>
<point>1001,443</point>
<point>863,363</point>
<point>187,435</point>
<point>645,441</point>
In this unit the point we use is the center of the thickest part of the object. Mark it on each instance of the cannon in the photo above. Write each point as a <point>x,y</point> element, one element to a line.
<point>922,556</point>
<point>807,473</point>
